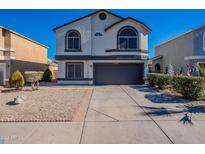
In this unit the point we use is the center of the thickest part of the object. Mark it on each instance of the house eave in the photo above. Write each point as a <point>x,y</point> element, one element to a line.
<point>18,34</point>
<point>143,25</point>
<point>194,58</point>
<point>156,58</point>
<point>73,21</point>
<point>127,50</point>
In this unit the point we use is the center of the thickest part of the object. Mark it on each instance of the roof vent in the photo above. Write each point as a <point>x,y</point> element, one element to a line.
<point>102,16</point>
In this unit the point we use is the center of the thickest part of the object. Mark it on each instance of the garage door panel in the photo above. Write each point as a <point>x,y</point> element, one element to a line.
<point>118,74</point>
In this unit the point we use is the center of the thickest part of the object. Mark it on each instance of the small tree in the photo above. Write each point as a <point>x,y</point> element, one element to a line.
<point>47,76</point>
<point>17,80</point>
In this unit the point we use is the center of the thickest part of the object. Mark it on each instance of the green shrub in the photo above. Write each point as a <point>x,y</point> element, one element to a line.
<point>189,87</point>
<point>151,78</point>
<point>17,80</point>
<point>163,81</point>
<point>159,80</point>
<point>201,68</point>
<point>47,76</point>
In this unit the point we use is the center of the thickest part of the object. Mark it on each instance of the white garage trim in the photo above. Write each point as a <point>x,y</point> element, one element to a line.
<point>117,61</point>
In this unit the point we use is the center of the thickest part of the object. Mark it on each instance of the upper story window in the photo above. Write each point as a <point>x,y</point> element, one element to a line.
<point>72,40</point>
<point>204,41</point>
<point>128,38</point>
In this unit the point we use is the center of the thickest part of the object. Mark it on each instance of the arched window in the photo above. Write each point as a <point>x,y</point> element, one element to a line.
<point>204,41</point>
<point>157,68</point>
<point>72,40</point>
<point>128,38</point>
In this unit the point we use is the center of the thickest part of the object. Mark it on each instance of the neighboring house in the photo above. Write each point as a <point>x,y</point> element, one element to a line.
<point>185,50</point>
<point>18,52</point>
<point>102,48</point>
<point>53,68</point>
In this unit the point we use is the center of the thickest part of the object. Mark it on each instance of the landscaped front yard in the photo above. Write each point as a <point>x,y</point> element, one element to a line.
<point>45,104</point>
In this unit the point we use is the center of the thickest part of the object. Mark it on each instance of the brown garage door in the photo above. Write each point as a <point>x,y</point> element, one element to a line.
<point>118,74</point>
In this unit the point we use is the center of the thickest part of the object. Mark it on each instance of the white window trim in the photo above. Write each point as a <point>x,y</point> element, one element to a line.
<point>72,37</point>
<point>128,37</point>
<point>81,65</point>
<point>67,40</point>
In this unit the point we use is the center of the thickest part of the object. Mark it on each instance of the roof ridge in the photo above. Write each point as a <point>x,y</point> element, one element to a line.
<point>21,35</point>
<point>90,14</point>
<point>180,35</point>
<point>127,18</point>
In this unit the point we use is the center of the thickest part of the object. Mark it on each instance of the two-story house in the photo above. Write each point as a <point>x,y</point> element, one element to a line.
<point>102,48</point>
<point>187,49</point>
<point>18,52</point>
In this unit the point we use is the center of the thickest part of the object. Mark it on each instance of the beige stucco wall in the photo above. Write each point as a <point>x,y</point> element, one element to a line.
<point>1,44</point>
<point>175,50</point>
<point>21,48</point>
<point>20,52</point>
<point>1,39</point>
<point>27,50</point>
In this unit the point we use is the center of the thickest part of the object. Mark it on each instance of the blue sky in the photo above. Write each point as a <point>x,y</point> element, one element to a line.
<point>38,24</point>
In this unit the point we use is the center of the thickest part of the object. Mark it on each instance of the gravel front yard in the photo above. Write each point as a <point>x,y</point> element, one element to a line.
<point>46,104</point>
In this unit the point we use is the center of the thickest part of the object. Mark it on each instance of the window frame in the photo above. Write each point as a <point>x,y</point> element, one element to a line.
<point>74,63</point>
<point>72,37</point>
<point>127,38</point>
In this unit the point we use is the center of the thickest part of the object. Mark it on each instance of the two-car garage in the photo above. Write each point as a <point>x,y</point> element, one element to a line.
<point>118,73</point>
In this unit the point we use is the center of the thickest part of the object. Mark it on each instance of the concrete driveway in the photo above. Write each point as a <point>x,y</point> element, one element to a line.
<point>119,114</point>
<point>137,114</point>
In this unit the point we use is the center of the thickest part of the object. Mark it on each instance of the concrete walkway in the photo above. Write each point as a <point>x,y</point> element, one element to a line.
<point>119,114</point>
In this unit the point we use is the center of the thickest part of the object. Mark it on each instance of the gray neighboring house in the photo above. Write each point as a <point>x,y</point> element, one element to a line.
<point>185,49</point>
